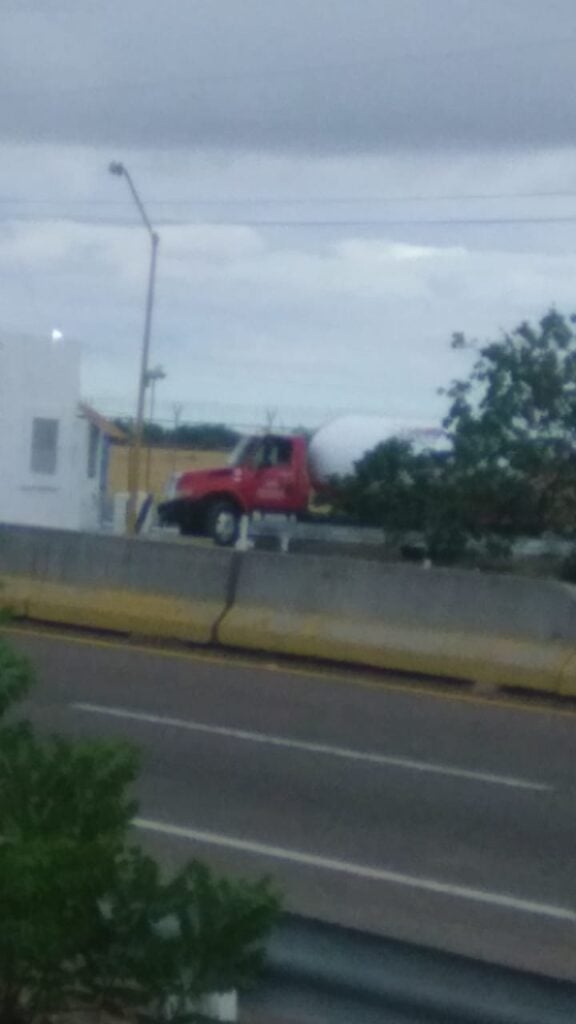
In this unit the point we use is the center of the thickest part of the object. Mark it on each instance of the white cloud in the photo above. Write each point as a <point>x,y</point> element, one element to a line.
<point>358,324</point>
<point>354,316</point>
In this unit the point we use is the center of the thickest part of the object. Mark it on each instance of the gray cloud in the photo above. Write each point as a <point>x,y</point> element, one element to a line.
<point>302,112</point>
<point>243,324</point>
<point>322,77</point>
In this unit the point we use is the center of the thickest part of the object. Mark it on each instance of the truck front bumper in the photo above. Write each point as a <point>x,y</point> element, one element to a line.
<point>176,512</point>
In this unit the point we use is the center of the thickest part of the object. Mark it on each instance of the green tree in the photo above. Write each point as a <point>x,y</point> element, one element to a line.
<point>163,943</point>
<point>202,436</point>
<point>407,491</point>
<point>64,814</point>
<point>83,910</point>
<point>392,487</point>
<point>511,468</point>
<point>512,422</point>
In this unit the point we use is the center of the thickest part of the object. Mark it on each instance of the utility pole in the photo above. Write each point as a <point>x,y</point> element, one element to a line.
<point>152,378</point>
<point>136,444</point>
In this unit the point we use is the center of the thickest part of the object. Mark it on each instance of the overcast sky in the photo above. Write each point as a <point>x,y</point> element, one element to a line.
<point>338,185</point>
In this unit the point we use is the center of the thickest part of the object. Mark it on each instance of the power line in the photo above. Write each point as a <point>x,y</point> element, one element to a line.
<point>326,223</point>
<point>376,222</point>
<point>293,201</point>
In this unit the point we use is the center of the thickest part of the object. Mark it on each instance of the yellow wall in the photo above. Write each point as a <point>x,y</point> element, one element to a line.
<point>163,462</point>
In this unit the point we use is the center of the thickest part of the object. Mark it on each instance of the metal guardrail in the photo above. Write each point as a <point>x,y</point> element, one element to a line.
<point>401,982</point>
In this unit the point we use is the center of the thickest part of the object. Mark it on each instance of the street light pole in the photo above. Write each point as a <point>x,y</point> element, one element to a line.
<point>153,376</point>
<point>136,446</point>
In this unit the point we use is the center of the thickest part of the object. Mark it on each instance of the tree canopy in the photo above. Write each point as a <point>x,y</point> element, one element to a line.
<point>512,423</point>
<point>90,921</point>
<point>511,465</point>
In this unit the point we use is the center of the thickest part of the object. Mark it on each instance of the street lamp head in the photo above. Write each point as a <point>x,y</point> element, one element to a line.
<point>155,374</point>
<point>116,168</point>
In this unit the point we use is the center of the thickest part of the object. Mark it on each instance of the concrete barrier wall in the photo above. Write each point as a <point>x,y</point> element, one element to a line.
<point>486,628</point>
<point>438,598</point>
<point>491,629</point>
<point>113,583</point>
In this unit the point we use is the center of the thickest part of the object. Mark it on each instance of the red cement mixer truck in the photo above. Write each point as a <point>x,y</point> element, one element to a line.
<point>277,473</point>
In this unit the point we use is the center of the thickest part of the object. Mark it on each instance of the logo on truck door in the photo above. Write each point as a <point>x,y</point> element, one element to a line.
<point>273,464</point>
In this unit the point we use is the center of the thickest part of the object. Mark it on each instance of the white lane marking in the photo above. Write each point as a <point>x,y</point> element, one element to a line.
<point>357,870</point>
<point>314,748</point>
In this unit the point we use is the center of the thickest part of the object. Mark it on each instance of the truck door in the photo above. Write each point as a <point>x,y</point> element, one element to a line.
<point>274,478</point>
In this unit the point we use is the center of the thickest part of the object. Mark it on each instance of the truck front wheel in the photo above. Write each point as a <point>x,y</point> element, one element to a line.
<point>223,523</point>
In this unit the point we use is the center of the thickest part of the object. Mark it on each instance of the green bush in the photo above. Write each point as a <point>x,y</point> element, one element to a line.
<point>16,678</point>
<point>163,944</point>
<point>87,918</point>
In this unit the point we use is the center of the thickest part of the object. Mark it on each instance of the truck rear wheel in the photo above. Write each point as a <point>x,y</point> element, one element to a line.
<point>223,523</point>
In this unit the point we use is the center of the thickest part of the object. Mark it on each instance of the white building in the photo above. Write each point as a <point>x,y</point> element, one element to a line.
<point>53,449</point>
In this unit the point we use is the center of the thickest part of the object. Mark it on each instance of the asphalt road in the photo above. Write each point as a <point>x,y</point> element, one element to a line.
<point>429,816</point>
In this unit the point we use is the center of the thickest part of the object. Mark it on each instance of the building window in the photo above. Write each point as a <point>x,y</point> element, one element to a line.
<point>44,452</point>
<point>93,449</point>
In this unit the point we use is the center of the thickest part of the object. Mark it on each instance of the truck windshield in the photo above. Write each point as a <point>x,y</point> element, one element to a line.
<point>244,451</point>
<point>262,452</point>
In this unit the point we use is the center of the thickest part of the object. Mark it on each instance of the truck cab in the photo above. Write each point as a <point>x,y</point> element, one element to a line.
<point>266,473</point>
